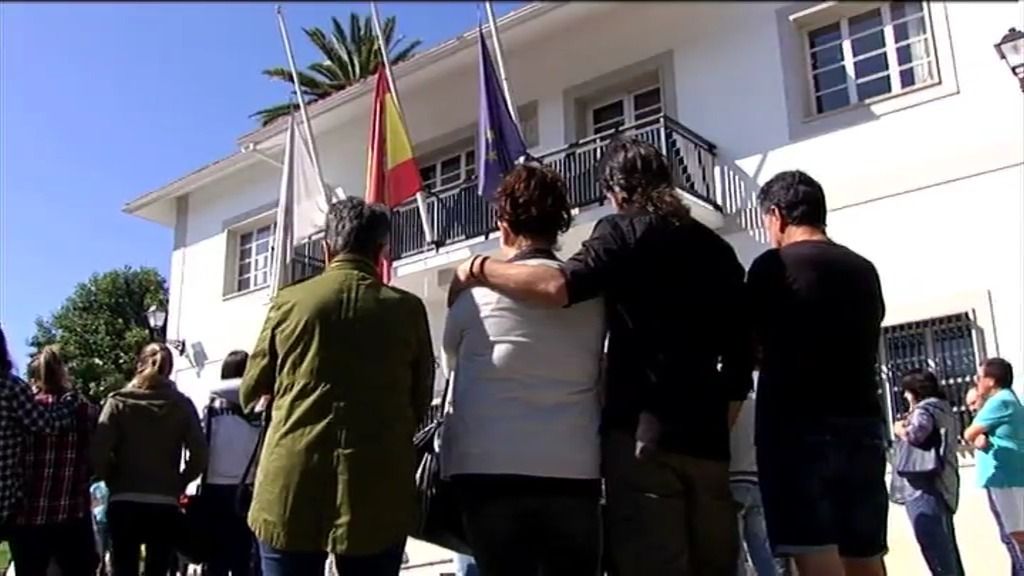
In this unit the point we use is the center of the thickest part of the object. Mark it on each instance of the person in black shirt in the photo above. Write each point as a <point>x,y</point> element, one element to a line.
<point>679,364</point>
<point>817,309</point>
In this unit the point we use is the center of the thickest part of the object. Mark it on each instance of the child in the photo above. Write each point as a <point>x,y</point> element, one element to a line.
<point>99,494</point>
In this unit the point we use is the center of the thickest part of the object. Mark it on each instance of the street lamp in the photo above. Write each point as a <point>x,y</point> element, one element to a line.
<point>156,317</point>
<point>1011,49</point>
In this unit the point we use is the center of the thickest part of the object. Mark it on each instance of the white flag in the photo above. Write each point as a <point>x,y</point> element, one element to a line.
<point>302,206</point>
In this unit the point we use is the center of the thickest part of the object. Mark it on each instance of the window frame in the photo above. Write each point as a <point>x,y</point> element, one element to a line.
<point>233,275</point>
<point>894,68</point>
<point>628,99</point>
<point>467,171</point>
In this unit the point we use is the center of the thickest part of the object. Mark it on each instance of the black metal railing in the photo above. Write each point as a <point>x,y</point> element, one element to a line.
<point>307,258</point>
<point>458,213</point>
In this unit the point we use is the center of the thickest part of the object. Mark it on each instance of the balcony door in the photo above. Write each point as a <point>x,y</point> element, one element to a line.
<point>624,109</point>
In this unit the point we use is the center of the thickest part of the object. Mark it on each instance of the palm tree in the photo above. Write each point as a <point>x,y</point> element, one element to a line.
<point>349,57</point>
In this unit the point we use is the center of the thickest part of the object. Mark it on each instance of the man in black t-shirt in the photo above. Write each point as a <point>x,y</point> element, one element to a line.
<point>679,365</point>
<point>817,308</point>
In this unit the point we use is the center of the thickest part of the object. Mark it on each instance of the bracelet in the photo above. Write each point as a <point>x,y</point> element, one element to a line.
<point>472,266</point>
<point>480,273</point>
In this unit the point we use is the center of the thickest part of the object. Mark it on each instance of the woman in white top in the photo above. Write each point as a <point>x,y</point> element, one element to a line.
<point>521,437</point>
<point>233,438</point>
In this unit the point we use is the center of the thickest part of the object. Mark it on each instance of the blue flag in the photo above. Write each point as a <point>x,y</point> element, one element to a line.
<point>499,143</point>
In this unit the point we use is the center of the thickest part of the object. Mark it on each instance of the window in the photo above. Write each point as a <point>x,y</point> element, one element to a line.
<point>255,247</point>
<point>944,345</point>
<point>449,171</point>
<point>626,109</point>
<point>884,50</point>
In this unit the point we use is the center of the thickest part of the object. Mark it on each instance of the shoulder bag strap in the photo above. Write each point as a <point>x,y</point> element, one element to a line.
<point>264,424</point>
<point>207,431</point>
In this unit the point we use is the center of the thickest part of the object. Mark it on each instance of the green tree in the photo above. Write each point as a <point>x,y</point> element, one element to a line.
<point>102,326</point>
<point>349,57</point>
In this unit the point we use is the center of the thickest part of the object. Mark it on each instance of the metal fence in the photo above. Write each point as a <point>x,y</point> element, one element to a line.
<point>458,213</point>
<point>950,346</point>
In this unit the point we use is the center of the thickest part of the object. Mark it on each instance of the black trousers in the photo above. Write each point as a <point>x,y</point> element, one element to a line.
<point>233,549</point>
<point>69,544</point>
<point>134,524</point>
<point>531,526</point>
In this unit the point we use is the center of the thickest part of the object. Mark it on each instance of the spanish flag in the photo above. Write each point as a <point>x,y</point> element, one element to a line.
<point>392,176</point>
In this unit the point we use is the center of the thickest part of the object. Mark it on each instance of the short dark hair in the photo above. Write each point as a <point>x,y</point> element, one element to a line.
<point>798,198</point>
<point>356,227</point>
<point>533,203</point>
<point>641,173</point>
<point>999,370</point>
<point>922,384</point>
<point>234,365</point>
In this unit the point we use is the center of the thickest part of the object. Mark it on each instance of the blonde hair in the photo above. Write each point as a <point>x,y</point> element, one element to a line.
<point>52,374</point>
<point>153,366</point>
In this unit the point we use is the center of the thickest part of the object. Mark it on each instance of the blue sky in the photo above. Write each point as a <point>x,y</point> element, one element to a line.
<point>100,103</point>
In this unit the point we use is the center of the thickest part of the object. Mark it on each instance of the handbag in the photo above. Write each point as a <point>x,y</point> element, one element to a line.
<point>915,462</point>
<point>440,517</point>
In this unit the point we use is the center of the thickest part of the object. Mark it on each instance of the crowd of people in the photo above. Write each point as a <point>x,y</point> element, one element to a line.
<point>600,412</point>
<point>93,491</point>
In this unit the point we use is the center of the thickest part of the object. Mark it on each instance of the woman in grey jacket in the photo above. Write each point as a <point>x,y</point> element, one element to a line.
<point>137,448</point>
<point>931,500</point>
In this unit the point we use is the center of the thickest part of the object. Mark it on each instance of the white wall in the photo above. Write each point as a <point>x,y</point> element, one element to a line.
<point>199,312</point>
<point>912,170</point>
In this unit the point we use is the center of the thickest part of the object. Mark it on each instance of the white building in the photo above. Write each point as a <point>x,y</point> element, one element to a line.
<point>903,111</point>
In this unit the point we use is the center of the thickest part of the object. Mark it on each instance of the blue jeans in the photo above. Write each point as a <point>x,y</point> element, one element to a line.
<point>932,521</point>
<point>284,563</point>
<point>753,534</point>
<point>1016,556</point>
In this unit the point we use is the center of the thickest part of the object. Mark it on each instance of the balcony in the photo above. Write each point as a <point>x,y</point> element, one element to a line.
<point>458,213</point>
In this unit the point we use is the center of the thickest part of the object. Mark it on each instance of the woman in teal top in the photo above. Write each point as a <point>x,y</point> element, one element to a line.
<point>998,434</point>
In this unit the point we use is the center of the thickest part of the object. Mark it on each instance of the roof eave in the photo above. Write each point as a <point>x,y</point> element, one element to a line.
<point>190,181</point>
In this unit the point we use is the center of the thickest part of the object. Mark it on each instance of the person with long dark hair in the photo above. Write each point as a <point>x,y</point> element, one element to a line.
<point>21,415</point>
<point>54,522</point>
<point>930,498</point>
<point>679,363</point>
<point>143,430</point>
<point>521,441</point>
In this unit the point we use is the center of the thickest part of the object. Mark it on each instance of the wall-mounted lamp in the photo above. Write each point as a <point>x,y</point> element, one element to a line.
<point>156,317</point>
<point>1011,49</point>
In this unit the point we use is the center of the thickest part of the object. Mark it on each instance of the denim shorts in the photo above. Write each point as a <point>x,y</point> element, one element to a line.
<point>826,490</point>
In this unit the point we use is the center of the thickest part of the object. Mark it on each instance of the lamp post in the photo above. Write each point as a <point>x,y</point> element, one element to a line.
<point>1011,49</point>
<point>156,317</point>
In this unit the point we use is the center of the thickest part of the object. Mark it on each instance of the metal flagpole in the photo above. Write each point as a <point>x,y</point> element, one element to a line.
<point>499,54</point>
<point>302,104</point>
<point>421,199</point>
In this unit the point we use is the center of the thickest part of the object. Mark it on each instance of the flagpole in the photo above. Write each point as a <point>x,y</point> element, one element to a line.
<point>421,199</point>
<point>310,141</point>
<point>499,54</point>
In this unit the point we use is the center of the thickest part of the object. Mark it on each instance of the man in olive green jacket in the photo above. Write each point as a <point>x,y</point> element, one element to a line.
<point>348,363</point>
